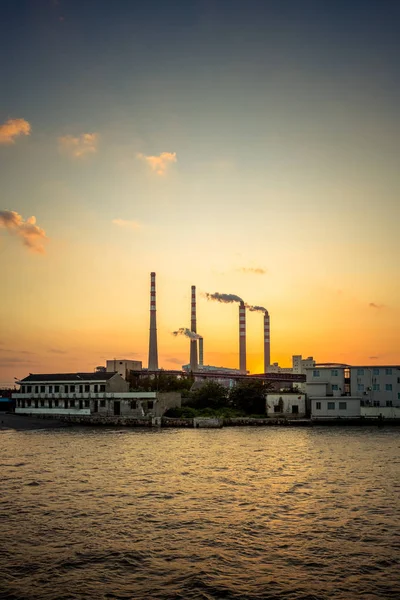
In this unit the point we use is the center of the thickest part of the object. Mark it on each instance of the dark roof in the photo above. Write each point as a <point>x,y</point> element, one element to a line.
<point>97,376</point>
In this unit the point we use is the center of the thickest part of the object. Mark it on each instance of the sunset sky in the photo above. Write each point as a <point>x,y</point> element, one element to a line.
<point>247,147</point>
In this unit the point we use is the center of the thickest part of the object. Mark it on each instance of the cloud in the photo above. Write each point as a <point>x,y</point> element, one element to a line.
<point>12,129</point>
<point>56,351</point>
<point>125,224</point>
<point>373,305</point>
<point>252,270</point>
<point>373,357</point>
<point>159,163</point>
<point>80,146</point>
<point>31,234</point>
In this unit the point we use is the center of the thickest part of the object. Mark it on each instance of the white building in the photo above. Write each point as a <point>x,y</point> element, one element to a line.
<point>286,405</point>
<point>99,394</point>
<point>123,366</point>
<point>339,391</point>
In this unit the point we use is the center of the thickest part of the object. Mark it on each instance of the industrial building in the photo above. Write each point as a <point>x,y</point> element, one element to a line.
<point>98,394</point>
<point>353,392</point>
<point>123,366</point>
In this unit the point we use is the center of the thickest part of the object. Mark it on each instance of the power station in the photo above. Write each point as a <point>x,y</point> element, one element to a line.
<point>196,342</point>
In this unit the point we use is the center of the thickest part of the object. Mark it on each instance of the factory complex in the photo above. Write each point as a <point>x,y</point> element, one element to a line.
<point>321,392</point>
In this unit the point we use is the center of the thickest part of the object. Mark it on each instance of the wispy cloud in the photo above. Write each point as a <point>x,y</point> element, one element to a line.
<point>80,146</point>
<point>56,351</point>
<point>13,128</point>
<point>160,163</point>
<point>252,270</point>
<point>33,236</point>
<point>125,224</point>
<point>373,305</point>
<point>175,361</point>
<point>373,357</point>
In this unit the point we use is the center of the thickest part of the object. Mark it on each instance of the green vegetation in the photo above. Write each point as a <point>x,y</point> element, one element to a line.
<point>161,382</point>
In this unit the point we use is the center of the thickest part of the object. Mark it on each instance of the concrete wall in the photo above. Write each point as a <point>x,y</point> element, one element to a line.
<point>167,400</point>
<point>374,412</point>
<point>117,384</point>
<point>122,366</point>
<point>344,407</point>
<point>332,377</point>
<point>52,411</point>
<point>287,403</point>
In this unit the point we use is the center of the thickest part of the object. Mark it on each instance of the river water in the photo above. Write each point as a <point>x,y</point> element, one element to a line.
<point>237,513</point>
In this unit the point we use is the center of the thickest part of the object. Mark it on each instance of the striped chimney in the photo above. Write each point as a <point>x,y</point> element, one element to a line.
<point>201,352</point>
<point>242,337</point>
<point>267,349</point>
<point>153,352</point>
<point>193,327</point>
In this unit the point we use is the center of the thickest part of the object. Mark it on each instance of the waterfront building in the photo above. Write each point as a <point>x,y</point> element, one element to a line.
<point>356,391</point>
<point>286,405</point>
<point>99,394</point>
<point>123,366</point>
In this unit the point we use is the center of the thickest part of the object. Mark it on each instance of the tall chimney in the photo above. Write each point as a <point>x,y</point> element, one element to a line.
<point>193,327</point>
<point>201,352</point>
<point>242,337</point>
<point>267,349</point>
<point>153,352</point>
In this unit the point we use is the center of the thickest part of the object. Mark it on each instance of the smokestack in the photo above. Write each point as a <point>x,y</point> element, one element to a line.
<point>193,327</point>
<point>201,352</point>
<point>267,349</point>
<point>242,337</point>
<point>153,352</point>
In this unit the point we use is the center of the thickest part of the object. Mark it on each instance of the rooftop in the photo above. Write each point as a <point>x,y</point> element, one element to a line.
<point>96,376</point>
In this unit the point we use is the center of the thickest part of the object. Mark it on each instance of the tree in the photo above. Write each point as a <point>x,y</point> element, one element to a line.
<point>249,396</point>
<point>210,395</point>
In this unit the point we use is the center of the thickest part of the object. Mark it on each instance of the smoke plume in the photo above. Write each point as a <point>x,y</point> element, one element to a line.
<point>256,308</point>
<point>185,331</point>
<point>224,298</point>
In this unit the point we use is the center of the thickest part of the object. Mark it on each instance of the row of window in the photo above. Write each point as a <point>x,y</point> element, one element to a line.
<point>376,387</point>
<point>73,404</point>
<point>54,389</point>
<point>332,405</point>
<point>375,371</point>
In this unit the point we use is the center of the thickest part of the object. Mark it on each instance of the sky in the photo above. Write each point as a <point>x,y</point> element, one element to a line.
<point>245,147</point>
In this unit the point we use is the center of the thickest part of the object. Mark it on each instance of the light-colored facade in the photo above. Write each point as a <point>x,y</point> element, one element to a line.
<point>286,405</point>
<point>360,391</point>
<point>123,366</point>
<point>98,394</point>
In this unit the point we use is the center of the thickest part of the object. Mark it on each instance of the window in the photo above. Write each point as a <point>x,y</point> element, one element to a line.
<point>72,388</point>
<point>398,395</point>
<point>22,390</point>
<point>360,387</point>
<point>318,405</point>
<point>133,405</point>
<point>42,403</point>
<point>56,388</point>
<point>342,405</point>
<point>87,388</point>
<point>42,389</point>
<point>96,388</point>
<point>81,389</point>
<point>56,403</point>
<point>334,372</point>
<point>102,403</point>
<point>389,403</point>
<point>388,371</point>
<point>360,371</point>
<point>277,408</point>
<point>36,389</point>
<point>316,373</point>
<point>376,387</point>
<point>388,387</point>
<point>375,371</point>
<point>65,403</point>
<point>102,388</point>
<point>150,405</point>
<point>376,403</point>
<point>29,389</point>
<point>335,387</point>
<point>87,403</point>
<point>50,389</point>
<point>331,406</point>
<point>28,402</point>
<point>295,409</point>
<point>36,403</point>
